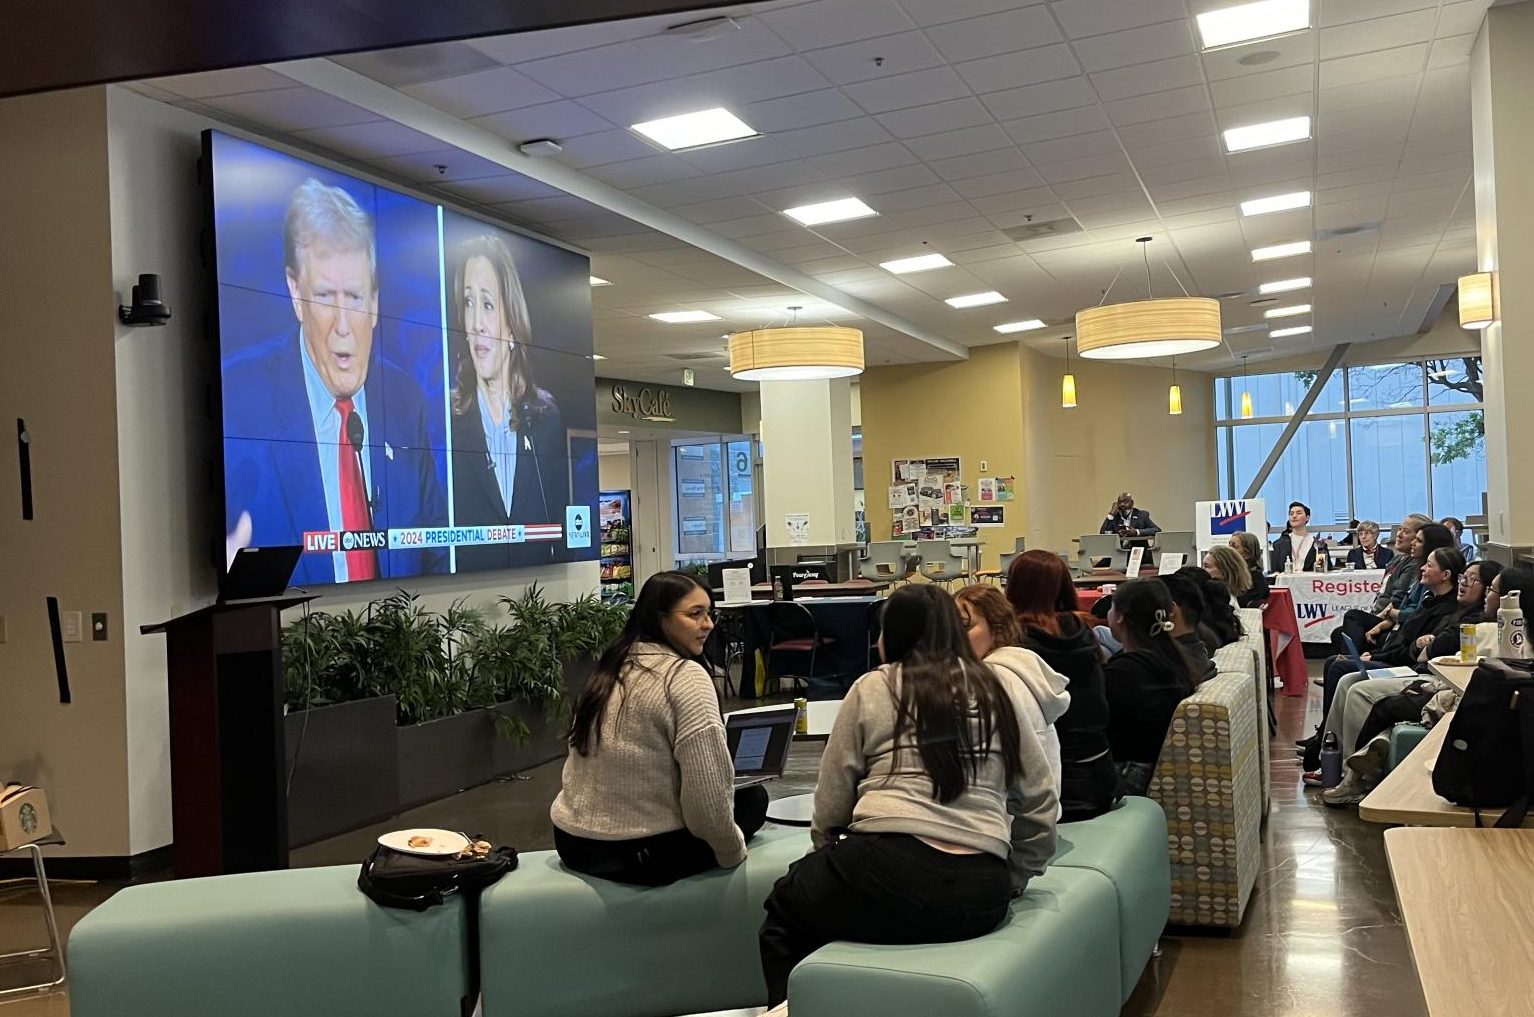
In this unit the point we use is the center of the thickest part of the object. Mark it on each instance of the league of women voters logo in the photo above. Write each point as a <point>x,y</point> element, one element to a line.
<point>1227,517</point>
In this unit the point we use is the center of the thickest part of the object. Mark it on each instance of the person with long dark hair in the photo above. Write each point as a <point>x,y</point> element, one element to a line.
<point>1044,600</point>
<point>507,437</point>
<point>648,782</point>
<point>1219,624</point>
<point>934,806</point>
<point>1145,682</point>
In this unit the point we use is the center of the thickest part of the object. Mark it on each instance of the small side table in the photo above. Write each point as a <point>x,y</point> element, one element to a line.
<point>792,810</point>
<point>55,945</point>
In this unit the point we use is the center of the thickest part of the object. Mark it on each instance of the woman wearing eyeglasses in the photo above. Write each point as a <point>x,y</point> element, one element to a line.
<point>648,785</point>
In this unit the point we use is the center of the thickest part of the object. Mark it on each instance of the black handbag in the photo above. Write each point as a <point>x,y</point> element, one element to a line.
<point>1487,760</point>
<point>395,879</point>
<point>1385,714</point>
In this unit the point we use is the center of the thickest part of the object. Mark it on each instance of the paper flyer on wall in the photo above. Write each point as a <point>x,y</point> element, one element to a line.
<point>987,515</point>
<point>1004,488</point>
<point>987,489</point>
<point>930,495</point>
<point>798,525</point>
<point>902,495</point>
<point>953,494</point>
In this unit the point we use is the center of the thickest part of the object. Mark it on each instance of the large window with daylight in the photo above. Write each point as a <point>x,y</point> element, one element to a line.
<point>1381,440</point>
<point>715,499</point>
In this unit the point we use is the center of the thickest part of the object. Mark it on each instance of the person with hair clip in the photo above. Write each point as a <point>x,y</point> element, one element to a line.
<point>1296,543</point>
<point>647,792</point>
<point>1043,598</point>
<point>997,639</point>
<point>1145,682</point>
<point>1188,609</point>
<point>934,806</point>
<point>507,437</point>
<point>1250,549</point>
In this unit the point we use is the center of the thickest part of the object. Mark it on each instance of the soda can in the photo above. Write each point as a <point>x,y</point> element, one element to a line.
<point>802,718</point>
<point>1467,643</point>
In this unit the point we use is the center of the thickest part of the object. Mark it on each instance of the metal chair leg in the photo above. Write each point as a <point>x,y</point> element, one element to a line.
<point>55,942</point>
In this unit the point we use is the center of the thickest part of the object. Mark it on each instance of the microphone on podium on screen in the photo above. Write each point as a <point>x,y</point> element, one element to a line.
<point>354,437</point>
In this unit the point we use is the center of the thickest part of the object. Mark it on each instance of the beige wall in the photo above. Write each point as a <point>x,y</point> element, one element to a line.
<point>613,471</point>
<point>56,282</point>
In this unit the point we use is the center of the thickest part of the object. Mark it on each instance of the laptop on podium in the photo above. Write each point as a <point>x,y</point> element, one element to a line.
<point>258,573</point>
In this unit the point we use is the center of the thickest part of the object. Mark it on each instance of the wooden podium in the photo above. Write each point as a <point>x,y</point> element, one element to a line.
<point>228,786</point>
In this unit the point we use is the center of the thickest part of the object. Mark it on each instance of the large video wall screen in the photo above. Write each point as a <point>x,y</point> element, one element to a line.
<point>406,390</point>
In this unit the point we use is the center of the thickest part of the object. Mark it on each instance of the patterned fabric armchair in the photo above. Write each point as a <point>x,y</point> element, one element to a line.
<point>1246,656</point>
<point>1209,783</point>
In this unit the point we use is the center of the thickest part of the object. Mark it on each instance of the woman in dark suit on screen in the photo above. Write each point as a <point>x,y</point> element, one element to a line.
<point>509,459</point>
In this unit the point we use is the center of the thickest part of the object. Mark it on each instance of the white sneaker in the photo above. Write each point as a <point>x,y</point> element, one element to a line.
<point>1350,791</point>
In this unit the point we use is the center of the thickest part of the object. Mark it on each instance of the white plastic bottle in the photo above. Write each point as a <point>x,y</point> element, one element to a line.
<point>1289,565</point>
<point>1511,641</point>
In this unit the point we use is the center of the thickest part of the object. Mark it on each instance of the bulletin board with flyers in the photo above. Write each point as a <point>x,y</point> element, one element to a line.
<point>927,494</point>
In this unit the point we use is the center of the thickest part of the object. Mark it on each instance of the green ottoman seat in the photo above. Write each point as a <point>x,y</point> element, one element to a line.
<point>301,943</point>
<point>1055,956</point>
<point>1128,845</point>
<point>1403,738</point>
<point>557,942</point>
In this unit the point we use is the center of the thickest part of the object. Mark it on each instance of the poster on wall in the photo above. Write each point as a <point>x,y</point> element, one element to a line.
<point>1215,521</point>
<point>1005,486</point>
<point>933,494</point>
<point>798,526</point>
<point>987,489</point>
<point>902,495</point>
<point>987,515</point>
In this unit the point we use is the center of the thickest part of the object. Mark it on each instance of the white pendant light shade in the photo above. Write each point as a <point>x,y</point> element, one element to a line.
<point>1478,300</point>
<point>796,353</point>
<point>1167,327</point>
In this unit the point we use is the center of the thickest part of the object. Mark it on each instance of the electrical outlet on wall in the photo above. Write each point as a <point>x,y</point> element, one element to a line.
<point>984,466</point>
<point>71,623</point>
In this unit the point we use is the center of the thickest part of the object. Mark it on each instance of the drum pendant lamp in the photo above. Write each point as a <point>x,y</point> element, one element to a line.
<point>796,353</point>
<point>1148,328</point>
<point>1478,300</point>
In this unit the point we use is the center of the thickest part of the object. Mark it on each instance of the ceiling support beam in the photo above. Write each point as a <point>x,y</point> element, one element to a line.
<point>360,90</point>
<point>1296,419</point>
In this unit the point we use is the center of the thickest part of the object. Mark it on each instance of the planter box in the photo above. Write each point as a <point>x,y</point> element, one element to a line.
<point>545,742</point>
<point>347,772</point>
<point>438,758</point>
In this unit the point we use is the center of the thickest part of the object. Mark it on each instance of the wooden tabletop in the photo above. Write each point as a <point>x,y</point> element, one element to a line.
<point>1103,578</point>
<point>764,590</point>
<point>1453,672</point>
<point>1406,797</point>
<point>1464,898</point>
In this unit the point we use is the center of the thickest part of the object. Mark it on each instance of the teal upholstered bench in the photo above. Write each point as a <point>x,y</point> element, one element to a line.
<point>301,943</point>
<point>1055,955</point>
<point>1129,847</point>
<point>1403,738</point>
<point>556,942</point>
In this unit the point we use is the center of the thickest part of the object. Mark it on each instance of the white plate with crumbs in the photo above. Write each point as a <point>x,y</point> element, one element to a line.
<point>425,842</point>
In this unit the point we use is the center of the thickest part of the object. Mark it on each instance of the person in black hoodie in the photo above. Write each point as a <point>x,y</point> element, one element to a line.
<point>1044,599</point>
<point>1250,549</point>
<point>1474,586</point>
<point>1144,683</point>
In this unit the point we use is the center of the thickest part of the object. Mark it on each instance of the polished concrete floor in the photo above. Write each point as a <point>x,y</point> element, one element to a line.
<point>1322,935</point>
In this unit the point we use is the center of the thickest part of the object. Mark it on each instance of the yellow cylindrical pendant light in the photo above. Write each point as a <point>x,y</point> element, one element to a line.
<point>796,353</point>
<point>1478,300</point>
<point>1068,392</point>
<point>1246,406</point>
<point>1174,394</point>
<point>1148,328</point>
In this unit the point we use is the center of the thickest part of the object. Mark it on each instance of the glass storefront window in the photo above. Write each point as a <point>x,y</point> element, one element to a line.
<point>1384,387</point>
<point>1454,382</point>
<point>1457,443</point>
<point>715,499</point>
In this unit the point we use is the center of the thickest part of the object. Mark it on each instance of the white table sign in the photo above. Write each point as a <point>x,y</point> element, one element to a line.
<point>1171,562</point>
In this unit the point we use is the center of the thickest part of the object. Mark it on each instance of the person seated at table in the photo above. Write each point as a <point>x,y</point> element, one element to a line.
<point>1400,573</point>
<point>1429,538</point>
<point>1367,553</point>
<point>1221,626</point>
<point>934,804</point>
<point>1296,545</point>
<point>1250,548</point>
<point>1044,599</point>
<point>1475,602</point>
<point>1457,528</point>
<point>1145,682</point>
<point>1439,581</point>
<point>647,791</point>
<point>1224,564</point>
<point>1127,521</point>
<point>1187,616</point>
<point>997,639</point>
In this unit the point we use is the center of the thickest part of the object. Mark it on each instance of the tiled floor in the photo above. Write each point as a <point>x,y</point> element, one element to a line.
<point>1322,935</point>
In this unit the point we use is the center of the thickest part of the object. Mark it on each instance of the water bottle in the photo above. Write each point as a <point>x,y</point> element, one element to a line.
<point>1331,761</point>
<point>1510,632</point>
<point>1289,565</point>
<point>1323,557</point>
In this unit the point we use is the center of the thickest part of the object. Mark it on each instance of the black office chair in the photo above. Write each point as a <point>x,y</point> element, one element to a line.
<point>791,628</point>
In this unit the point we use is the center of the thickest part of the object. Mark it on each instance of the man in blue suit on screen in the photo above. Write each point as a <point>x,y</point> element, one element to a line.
<point>340,434</point>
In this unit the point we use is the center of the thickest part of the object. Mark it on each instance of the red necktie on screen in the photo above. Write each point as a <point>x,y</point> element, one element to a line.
<point>354,500</point>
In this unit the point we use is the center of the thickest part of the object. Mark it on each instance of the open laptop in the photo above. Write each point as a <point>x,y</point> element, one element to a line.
<point>259,572</point>
<point>758,740</point>
<point>1364,667</point>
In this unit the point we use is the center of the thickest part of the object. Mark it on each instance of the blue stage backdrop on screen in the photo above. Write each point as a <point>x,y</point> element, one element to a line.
<point>406,390</point>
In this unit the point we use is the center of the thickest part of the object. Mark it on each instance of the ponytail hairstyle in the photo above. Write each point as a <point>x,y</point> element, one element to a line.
<point>950,703</point>
<point>1487,571</point>
<point>1145,608</point>
<point>657,598</point>
<point>1451,561</point>
<point>1220,625</point>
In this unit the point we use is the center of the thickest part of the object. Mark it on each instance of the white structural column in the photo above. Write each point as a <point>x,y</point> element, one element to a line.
<point>807,460</point>
<point>1501,84</point>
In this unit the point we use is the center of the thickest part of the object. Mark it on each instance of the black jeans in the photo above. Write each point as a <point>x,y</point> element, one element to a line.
<point>661,859</point>
<point>1356,624</point>
<point>1087,790</point>
<point>878,888</point>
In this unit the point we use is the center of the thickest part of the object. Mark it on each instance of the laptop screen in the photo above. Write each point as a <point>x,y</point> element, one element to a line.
<point>758,740</point>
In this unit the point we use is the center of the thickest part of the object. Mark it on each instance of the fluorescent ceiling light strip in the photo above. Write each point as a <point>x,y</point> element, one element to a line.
<point>1284,333</point>
<point>839,210</point>
<point>1281,251</point>
<point>976,299</point>
<point>920,263</point>
<point>1274,132</point>
<point>1246,22</point>
<point>692,130</point>
<point>685,317</point>
<point>1020,326</point>
<point>1287,312</point>
<point>1284,286</point>
<point>1276,203</point>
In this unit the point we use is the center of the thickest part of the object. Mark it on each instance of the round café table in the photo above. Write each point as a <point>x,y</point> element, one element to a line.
<point>792,810</point>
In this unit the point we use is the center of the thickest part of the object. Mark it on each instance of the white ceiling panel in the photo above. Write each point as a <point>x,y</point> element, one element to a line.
<point>935,119</point>
<point>824,23</point>
<point>969,141</point>
<point>1288,81</point>
<point>1008,160</point>
<point>369,140</point>
<point>1004,32</point>
<point>1049,97</point>
<point>1144,79</point>
<point>836,137</point>
<point>1026,130</point>
<point>1081,18</point>
<point>1136,46</point>
<point>1378,34</point>
<point>1341,12</point>
<point>734,87</point>
<point>291,109</point>
<point>230,82</point>
<point>1014,70</point>
<point>904,91</point>
<point>1159,106</point>
<point>804,110</point>
<point>883,57</point>
<point>1357,70</point>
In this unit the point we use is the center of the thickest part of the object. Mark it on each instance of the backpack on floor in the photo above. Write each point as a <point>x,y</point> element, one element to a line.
<point>1487,760</point>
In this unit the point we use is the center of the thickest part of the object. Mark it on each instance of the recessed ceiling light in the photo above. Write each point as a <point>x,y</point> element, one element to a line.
<point>597,356</point>
<point>1285,285</point>
<point>1276,203</point>
<point>1287,312</point>
<point>1284,333</point>
<point>1020,326</point>
<point>598,281</point>
<point>1274,132</point>
<point>691,130</point>
<point>1245,22</point>
<point>685,317</point>
<point>829,211</point>
<point>623,432</point>
<point>920,263</point>
<point>976,299</point>
<point>1281,251</point>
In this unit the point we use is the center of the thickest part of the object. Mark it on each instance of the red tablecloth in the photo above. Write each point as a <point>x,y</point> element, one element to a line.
<point>1086,598</point>
<point>1283,631</point>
